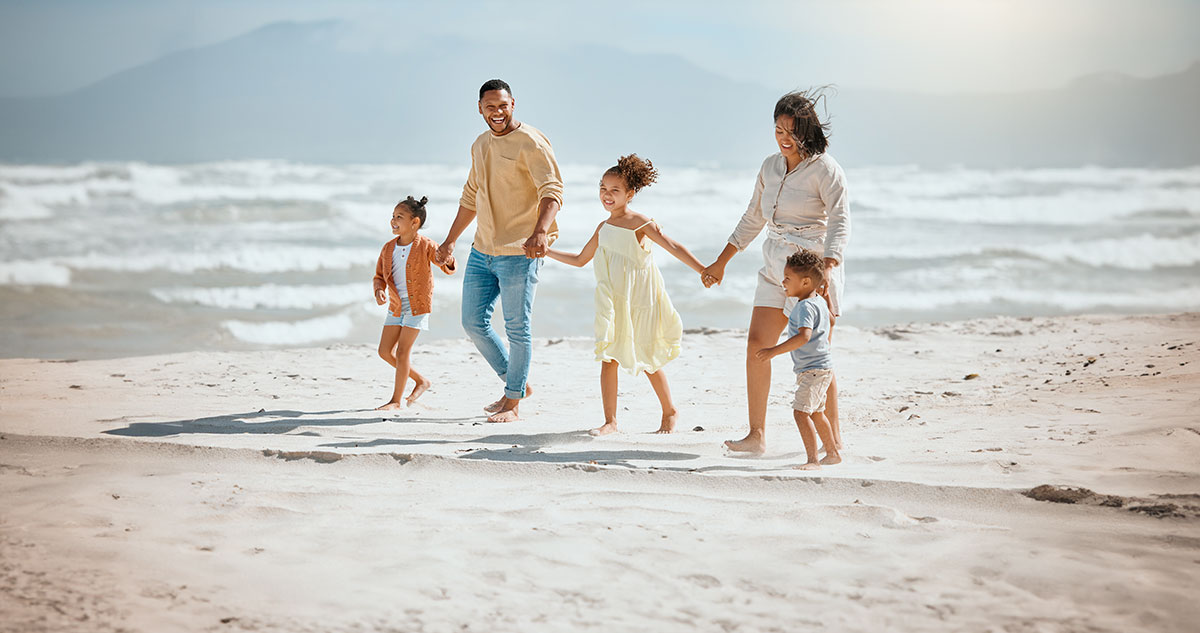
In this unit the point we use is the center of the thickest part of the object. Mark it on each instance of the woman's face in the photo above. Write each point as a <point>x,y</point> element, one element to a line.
<point>783,136</point>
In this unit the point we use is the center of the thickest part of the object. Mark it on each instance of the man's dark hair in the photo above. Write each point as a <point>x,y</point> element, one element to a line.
<point>494,84</point>
<point>807,129</point>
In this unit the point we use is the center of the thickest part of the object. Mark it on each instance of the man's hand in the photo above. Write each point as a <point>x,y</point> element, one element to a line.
<point>536,245</point>
<point>381,296</point>
<point>444,252</point>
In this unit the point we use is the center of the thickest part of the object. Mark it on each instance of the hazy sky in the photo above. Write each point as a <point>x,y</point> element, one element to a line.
<point>53,46</point>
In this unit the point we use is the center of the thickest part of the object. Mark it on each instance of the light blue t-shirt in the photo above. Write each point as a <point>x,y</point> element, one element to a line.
<point>811,313</point>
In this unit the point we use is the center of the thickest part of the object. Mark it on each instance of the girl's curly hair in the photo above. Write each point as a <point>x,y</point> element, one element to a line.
<point>415,207</point>
<point>637,173</point>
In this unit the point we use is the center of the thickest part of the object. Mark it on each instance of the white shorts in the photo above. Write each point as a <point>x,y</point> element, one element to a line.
<point>769,292</point>
<point>811,387</point>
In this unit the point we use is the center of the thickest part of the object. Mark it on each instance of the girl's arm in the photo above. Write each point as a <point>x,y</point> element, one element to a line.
<point>792,344</point>
<point>584,256</point>
<point>654,232</point>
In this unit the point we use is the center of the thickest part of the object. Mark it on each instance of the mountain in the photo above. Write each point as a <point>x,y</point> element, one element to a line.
<point>321,92</point>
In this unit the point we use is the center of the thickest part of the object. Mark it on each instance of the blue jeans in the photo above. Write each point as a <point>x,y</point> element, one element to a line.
<point>512,279</point>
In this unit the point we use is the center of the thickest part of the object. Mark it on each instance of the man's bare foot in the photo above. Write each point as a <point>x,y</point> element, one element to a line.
<point>668,423</point>
<point>507,412</point>
<point>830,460</point>
<point>608,427</point>
<point>419,389</point>
<point>390,406</point>
<point>809,466</point>
<point>752,443</point>
<point>499,404</point>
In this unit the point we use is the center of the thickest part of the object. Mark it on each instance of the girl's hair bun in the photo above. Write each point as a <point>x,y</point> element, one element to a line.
<point>637,172</point>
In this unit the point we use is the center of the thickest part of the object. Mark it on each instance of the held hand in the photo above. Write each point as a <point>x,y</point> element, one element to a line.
<point>765,354</point>
<point>450,263</point>
<point>830,263</point>
<point>712,275</point>
<point>444,252</point>
<point>381,296</point>
<point>536,245</point>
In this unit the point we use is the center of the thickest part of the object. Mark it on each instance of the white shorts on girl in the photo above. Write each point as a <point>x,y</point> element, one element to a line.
<point>407,318</point>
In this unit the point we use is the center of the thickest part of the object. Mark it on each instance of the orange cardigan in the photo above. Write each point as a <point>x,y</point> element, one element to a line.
<point>418,275</point>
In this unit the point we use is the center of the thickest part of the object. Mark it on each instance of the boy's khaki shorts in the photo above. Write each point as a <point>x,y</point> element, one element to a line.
<point>811,387</point>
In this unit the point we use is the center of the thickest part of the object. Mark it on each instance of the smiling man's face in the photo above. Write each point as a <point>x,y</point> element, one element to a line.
<point>496,106</point>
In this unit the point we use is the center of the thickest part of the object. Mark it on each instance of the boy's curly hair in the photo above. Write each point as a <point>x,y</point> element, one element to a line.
<point>635,171</point>
<point>415,207</point>
<point>807,263</point>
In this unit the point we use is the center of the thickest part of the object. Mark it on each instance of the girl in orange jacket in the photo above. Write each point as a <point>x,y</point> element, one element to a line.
<point>404,280</point>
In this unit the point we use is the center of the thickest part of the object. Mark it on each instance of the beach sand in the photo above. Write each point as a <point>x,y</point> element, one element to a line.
<point>259,491</point>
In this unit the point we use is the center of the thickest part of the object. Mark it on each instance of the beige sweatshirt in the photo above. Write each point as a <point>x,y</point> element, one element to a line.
<point>509,175</point>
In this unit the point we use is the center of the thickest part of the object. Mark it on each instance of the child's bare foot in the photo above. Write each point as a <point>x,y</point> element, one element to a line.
<point>608,427</point>
<point>420,388</point>
<point>809,466</point>
<point>668,423</point>
<point>390,406</point>
<point>752,443</point>
<point>507,412</point>
<point>499,404</point>
<point>830,460</point>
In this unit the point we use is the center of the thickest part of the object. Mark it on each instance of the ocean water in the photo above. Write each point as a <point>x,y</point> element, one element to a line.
<point>116,259</point>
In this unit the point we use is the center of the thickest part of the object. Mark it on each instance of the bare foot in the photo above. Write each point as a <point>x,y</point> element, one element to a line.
<point>809,466</point>
<point>609,427</point>
<point>750,444</point>
<point>507,412</point>
<point>390,406</point>
<point>419,389</point>
<point>668,423</point>
<point>499,404</point>
<point>830,460</point>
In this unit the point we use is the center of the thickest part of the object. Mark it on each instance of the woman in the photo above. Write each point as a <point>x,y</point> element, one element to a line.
<point>800,198</point>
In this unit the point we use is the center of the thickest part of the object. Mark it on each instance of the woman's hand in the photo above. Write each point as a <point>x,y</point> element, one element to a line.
<point>712,275</point>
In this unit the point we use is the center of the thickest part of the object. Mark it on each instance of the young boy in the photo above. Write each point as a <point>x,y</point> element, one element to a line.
<point>808,332</point>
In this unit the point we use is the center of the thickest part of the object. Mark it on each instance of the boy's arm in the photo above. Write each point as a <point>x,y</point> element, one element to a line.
<point>792,344</point>
<point>654,232</point>
<point>584,256</point>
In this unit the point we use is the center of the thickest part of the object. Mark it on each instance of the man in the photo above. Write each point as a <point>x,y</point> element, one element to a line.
<point>514,191</point>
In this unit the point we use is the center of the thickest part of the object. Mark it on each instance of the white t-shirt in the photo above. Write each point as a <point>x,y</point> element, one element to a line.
<point>399,268</point>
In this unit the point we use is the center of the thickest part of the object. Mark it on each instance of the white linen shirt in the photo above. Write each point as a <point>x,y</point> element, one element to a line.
<point>809,202</point>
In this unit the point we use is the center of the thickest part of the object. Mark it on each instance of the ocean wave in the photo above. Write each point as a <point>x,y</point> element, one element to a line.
<point>32,273</point>
<point>1063,300</point>
<point>1139,252</point>
<point>269,296</point>
<point>325,328</point>
<point>251,258</point>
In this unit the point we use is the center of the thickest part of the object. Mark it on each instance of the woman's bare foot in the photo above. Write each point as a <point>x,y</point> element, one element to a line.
<point>420,388</point>
<point>607,428</point>
<point>830,460</point>
<point>668,423</point>
<point>752,443</point>
<point>499,404</point>
<point>507,412</point>
<point>809,466</point>
<point>390,406</point>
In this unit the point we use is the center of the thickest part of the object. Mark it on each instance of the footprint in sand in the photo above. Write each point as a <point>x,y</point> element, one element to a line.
<point>875,458</point>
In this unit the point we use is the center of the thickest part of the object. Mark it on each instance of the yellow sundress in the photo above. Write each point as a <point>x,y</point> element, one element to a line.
<point>636,325</point>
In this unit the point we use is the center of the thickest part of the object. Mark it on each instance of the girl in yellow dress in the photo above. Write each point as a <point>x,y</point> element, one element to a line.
<point>636,326</point>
